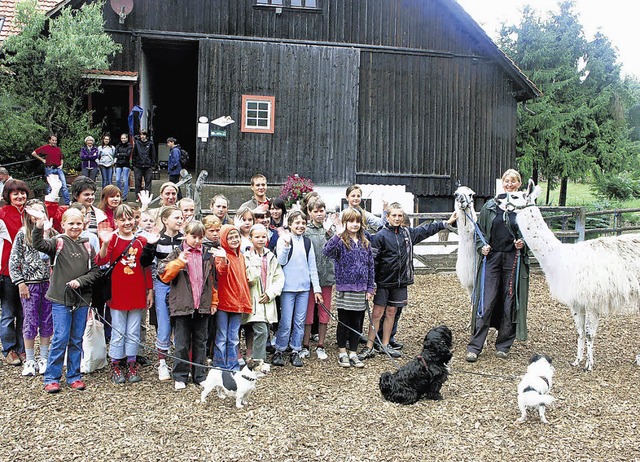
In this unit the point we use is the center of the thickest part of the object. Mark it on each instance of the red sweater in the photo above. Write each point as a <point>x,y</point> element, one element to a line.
<point>13,220</point>
<point>129,282</point>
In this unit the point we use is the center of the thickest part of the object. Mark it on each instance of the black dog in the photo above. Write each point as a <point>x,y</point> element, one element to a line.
<point>422,377</point>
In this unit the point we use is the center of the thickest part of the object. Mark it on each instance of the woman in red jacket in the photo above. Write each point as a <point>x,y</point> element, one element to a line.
<point>15,194</point>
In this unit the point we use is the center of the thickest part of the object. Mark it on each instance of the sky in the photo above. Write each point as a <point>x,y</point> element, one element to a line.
<point>617,19</point>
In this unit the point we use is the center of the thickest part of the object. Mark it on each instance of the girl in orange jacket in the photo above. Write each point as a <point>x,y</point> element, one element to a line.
<point>234,298</point>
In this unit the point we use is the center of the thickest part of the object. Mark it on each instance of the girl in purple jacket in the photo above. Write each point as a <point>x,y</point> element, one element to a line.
<point>351,251</point>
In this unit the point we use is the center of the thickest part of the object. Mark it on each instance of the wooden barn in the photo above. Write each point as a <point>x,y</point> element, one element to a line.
<point>404,92</point>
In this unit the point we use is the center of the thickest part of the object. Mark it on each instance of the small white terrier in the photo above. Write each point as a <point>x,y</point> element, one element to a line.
<point>236,384</point>
<point>534,388</point>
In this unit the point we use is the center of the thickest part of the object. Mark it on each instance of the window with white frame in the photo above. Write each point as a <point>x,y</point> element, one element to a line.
<point>258,113</point>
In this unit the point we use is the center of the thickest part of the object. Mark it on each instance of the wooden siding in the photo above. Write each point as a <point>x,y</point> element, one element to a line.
<point>419,24</point>
<point>427,122</point>
<point>316,117</point>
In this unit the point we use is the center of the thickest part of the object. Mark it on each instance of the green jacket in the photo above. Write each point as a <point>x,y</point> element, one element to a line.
<point>485,222</point>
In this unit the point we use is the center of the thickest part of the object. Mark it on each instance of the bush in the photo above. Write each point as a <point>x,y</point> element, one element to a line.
<point>621,186</point>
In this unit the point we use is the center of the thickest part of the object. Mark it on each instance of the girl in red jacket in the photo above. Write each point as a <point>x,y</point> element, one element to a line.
<point>234,298</point>
<point>123,250</point>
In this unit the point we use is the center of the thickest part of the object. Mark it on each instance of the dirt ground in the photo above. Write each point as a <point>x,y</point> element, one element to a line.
<point>325,413</point>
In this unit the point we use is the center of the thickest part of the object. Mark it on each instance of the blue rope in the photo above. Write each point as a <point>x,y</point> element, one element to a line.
<point>478,232</point>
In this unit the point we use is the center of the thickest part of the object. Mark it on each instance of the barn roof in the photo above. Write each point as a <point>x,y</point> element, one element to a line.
<point>8,13</point>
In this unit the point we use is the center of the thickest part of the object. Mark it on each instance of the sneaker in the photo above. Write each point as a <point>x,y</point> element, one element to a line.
<point>42,365</point>
<point>355,362</point>
<point>179,385</point>
<point>133,375</point>
<point>321,354</point>
<point>295,360</point>
<point>471,357</point>
<point>117,376</point>
<point>53,387</point>
<point>13,359</point>
<point>366,353</point>
<point>163,372</point>
<point>343,361</point>
<point>278,359</point>
<point>391,352</point>
<point>502,354</point>
<point>271,349</point>
<point>396,345</point>
<point>30,369</point>
<point>304,353</point>
<point>78,385</point>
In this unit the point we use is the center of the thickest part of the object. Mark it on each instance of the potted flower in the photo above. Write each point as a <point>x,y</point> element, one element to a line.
<point>295,188</point>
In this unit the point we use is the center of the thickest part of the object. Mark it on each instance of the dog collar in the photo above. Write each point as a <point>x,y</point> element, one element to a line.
<point>423,361</point>
<point>250,379</point>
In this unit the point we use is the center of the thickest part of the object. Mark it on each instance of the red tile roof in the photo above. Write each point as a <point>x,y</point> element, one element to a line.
<point>8,12</point>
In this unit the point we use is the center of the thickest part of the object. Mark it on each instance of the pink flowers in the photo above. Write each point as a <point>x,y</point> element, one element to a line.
<point>295,188</point>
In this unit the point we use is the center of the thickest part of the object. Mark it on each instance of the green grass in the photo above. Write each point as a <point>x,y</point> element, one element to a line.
<point>582,195</point>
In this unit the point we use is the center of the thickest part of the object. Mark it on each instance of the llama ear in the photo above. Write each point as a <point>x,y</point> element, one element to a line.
<point>532,193</point>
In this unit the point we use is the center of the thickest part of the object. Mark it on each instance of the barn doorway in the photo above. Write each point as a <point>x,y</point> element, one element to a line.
<point>169,90</point>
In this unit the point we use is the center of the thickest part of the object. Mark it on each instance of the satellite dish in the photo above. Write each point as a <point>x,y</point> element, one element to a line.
<point>122,8</point>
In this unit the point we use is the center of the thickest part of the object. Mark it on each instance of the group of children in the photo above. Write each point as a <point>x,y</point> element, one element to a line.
<point>207,282</point>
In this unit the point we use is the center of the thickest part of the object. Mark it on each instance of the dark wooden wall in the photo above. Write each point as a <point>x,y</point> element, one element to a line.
<point>373,91</point>
<point>316,107</point>
<point>431,121</point>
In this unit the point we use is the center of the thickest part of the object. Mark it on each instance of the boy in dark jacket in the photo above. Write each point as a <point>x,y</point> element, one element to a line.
<point>144,159</point>
<point>393,250</point>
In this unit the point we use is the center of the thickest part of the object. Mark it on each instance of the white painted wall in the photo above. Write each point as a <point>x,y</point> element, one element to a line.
<point>333,195</point>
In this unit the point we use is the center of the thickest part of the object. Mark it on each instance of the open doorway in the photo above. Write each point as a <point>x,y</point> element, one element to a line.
<point>171,73</point>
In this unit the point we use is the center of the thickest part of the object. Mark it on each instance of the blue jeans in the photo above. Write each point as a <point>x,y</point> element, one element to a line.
<point>125,333</point>
<point>64,190</point>
<point>163,337</point>
<point>225,352</point>
<point>11,320</point>
<point>68,328</point>
<point>122,181</point>
<point>292,317</point>
<point>107,175</point>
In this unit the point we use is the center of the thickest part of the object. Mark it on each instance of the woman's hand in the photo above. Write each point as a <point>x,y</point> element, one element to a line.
<point>150,298</point>
<point>264,298</point>
<point>519,244</point>
<point>369,297</point>
<point>486,249</point>
<point>452,219</point>
<point>145,198</point>
<point>318,297</point>
<point>74,284</point>
<point>24,290</point>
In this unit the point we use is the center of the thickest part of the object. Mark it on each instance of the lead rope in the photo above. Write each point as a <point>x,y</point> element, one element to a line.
<point>478,233</point>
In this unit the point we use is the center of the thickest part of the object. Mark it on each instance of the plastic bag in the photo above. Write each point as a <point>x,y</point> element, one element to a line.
<point>94,346</point>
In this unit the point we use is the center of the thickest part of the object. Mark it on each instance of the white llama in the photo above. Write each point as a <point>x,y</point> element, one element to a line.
<point>465,264</point>
<point>595,278</point>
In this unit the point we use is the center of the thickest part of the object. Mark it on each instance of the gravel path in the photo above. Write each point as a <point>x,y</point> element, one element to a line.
<point>325,413</point>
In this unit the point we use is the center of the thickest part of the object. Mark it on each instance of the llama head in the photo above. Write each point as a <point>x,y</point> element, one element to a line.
<point>464,198</point>
<point>521,199</point>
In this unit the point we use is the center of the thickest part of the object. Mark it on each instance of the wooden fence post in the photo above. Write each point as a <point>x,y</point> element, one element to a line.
<point>581,223</point>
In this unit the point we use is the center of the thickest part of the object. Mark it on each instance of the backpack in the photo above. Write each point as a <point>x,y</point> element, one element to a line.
<point>307,248</point>
<point>184,158</point>
<point>60,246</point>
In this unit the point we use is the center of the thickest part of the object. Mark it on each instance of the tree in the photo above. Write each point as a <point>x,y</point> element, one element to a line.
<point>44,68</point>
<point>577,126</point>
